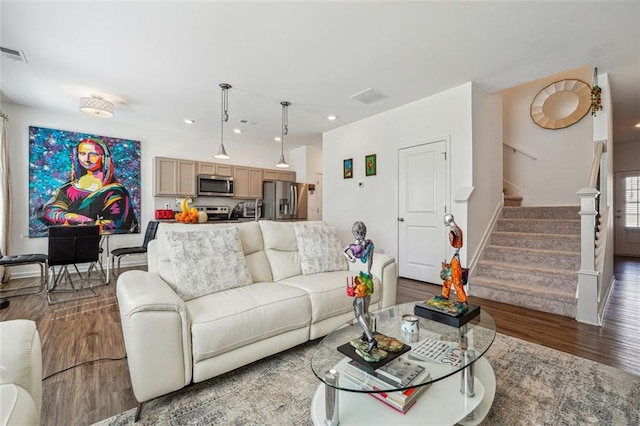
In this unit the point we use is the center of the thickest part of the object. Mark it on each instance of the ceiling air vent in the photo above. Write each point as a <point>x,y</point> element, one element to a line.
<point>16,55</point>
<point>369,96</point>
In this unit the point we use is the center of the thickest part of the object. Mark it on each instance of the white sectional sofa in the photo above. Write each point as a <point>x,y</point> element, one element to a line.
<point>20,373</point>
<point>172,341</point>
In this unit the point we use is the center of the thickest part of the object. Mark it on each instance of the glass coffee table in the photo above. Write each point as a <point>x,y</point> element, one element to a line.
<point>461,382</point>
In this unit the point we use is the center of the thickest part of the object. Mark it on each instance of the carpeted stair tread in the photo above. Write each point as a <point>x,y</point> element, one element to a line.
<point>533,212</point>
<point>541,226</point>
<point>533,276</point>
<point>518,287</point>
<point>561,242</point>
<point>564,260</point>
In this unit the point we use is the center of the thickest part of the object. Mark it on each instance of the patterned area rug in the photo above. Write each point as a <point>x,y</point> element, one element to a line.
<point>535,386</point>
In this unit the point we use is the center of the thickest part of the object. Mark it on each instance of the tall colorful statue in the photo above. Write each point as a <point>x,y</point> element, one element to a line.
<point>362,286</point>
<point>452,273</point>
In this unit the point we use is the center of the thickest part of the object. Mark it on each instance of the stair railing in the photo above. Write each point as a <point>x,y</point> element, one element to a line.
<point>520,150</point>
<point>590,273</point>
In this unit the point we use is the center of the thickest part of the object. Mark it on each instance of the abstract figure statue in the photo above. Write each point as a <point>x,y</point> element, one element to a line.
<point>452,273</point>
<point>362,286</point>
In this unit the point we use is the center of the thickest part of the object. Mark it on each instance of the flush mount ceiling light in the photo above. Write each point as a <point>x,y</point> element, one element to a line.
<point>285,129</point>
<point>332,117</point>
<point>222,153</point>
<point>96,106</point>
<point>189,121</point>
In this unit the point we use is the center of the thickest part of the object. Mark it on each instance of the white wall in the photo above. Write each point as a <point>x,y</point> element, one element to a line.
<point>153,141</point>
<point>307,160</point>
<point>564,155</point>
<point>627,156</point>
<point>487,165</point>
<point>446,115</point>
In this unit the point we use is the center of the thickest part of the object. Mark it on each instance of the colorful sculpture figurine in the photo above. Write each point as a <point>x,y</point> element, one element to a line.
<point>361,287</point>
<point>452,273</point>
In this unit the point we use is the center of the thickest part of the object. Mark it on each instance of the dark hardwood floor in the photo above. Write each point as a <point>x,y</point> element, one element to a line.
<point>74,333</point>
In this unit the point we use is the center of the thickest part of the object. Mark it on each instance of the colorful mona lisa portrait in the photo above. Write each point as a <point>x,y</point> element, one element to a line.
<point>77,178</point>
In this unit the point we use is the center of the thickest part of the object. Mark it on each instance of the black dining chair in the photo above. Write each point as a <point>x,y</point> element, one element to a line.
<point>20,260</point>
<point>119,253</point>
<point>72,246</point>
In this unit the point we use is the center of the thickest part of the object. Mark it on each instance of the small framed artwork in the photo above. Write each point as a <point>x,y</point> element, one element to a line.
<point>370,165</point>
<point>347,168</point>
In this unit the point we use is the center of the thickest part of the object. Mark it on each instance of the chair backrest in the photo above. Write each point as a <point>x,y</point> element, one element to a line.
<point>70,244</point>
<point>150,233</point>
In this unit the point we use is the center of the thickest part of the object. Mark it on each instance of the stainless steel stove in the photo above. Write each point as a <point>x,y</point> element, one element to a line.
<point>215,212</point>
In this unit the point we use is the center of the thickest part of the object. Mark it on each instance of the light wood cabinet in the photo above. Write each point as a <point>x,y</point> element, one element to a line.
<point>174,176</point>
<point>247,182</point>
<point>215,169</point>
<point>268,174</point>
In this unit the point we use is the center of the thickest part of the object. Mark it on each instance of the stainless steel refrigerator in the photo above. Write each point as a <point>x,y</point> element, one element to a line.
<point>284,200</point>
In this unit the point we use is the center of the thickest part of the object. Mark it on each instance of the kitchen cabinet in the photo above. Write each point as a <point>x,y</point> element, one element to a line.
<point>215,169</point>
<point>268,174</point>
<point>174,176</point>
<point>247,182</point>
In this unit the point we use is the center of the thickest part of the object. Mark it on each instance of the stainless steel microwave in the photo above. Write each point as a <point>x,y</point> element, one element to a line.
<point>215,186</point>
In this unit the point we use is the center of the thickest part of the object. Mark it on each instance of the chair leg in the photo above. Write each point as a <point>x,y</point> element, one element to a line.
<point>22,291</point>
<point>138,412</point>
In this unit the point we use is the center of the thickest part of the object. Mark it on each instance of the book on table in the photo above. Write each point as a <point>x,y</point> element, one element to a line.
<point>399,400</point>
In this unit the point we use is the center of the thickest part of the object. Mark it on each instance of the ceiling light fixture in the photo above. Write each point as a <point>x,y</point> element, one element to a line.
<point>285,130</point>
<point>189,121</point>
<point>236,130</point>
<point>96,106</point>
<point>332,117</point>
<point>222,153</point>
<point>277,139</point>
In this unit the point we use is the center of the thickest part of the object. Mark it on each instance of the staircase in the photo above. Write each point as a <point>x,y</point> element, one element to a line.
<point>532,259</point>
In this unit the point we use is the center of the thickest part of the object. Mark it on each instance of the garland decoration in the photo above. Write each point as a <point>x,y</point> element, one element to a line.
<point>596,94</point>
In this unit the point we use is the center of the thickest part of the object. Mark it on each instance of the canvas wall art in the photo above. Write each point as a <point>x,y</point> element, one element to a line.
<point>78,178</point>
<point>370,165</point>
<point>347,168</point>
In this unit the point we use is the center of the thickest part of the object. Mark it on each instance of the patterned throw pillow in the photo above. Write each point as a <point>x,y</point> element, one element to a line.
<point>319,249</point>
<point>207,261</point>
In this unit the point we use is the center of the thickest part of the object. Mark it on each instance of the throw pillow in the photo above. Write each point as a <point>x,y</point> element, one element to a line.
<point>319,248</point>
<point>207,261</point>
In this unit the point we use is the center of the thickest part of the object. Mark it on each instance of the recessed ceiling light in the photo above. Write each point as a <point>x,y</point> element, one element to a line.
<point>236,130</point>
<point>331,117</point>
<point>277,139</point>
<point>189,121</point>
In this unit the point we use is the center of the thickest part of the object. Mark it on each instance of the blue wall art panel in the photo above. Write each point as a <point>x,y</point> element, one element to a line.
<point>77,178</point>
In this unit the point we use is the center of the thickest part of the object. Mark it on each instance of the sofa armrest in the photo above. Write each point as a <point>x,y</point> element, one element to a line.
<point>385,268</point>
<point>20,372</point>
<point>156,333</point>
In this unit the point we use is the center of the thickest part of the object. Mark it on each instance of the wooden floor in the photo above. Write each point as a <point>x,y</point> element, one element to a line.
<point>77,332</point>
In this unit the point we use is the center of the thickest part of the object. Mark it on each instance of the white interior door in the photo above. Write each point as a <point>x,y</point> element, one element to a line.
<point>627,219</point>
<point>421,206</point>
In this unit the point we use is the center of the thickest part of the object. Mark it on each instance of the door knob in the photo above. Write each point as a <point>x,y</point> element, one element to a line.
<point>401,219</point>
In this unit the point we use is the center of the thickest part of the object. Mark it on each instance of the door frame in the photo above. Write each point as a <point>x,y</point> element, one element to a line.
<point>447,188</point>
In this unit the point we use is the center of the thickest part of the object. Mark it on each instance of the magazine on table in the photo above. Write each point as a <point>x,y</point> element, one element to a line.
<point>399,372</point>
<point>399,400</point>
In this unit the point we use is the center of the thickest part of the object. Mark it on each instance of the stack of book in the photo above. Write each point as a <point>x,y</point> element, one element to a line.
<point>398,373</point>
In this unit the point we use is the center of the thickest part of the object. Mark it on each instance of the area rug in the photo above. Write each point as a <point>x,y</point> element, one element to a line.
<point>535,385</point>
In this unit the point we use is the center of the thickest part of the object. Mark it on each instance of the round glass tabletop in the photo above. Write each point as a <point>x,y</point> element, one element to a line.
<point>441,350</point>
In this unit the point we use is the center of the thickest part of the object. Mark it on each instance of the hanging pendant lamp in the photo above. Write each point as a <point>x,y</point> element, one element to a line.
<point>285,129</point>
<point>222,153</point>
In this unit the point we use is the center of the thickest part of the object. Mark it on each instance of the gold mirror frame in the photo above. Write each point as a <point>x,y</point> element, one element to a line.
<point>561,104</point>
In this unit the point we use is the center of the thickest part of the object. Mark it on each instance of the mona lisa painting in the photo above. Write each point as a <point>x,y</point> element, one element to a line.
<point>77,178</point>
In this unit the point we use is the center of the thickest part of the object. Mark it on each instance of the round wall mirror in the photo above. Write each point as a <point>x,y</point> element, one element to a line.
<point>561,104</point>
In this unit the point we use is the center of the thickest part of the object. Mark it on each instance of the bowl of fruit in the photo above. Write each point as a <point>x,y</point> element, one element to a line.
<point>187,214</point>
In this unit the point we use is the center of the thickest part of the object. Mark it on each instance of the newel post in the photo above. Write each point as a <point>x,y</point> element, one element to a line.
<point>587,275</point>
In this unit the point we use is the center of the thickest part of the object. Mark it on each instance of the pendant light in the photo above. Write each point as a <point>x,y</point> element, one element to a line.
<point>222,153</point>
<point>285,129</point>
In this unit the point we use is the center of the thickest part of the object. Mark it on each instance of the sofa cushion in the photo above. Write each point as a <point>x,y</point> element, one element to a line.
<point>281,248</point>
<point>223,321</point>
<point>252,246</point>
<point>207,261</point>
<point>327,292</point>
<point>320,249</point>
